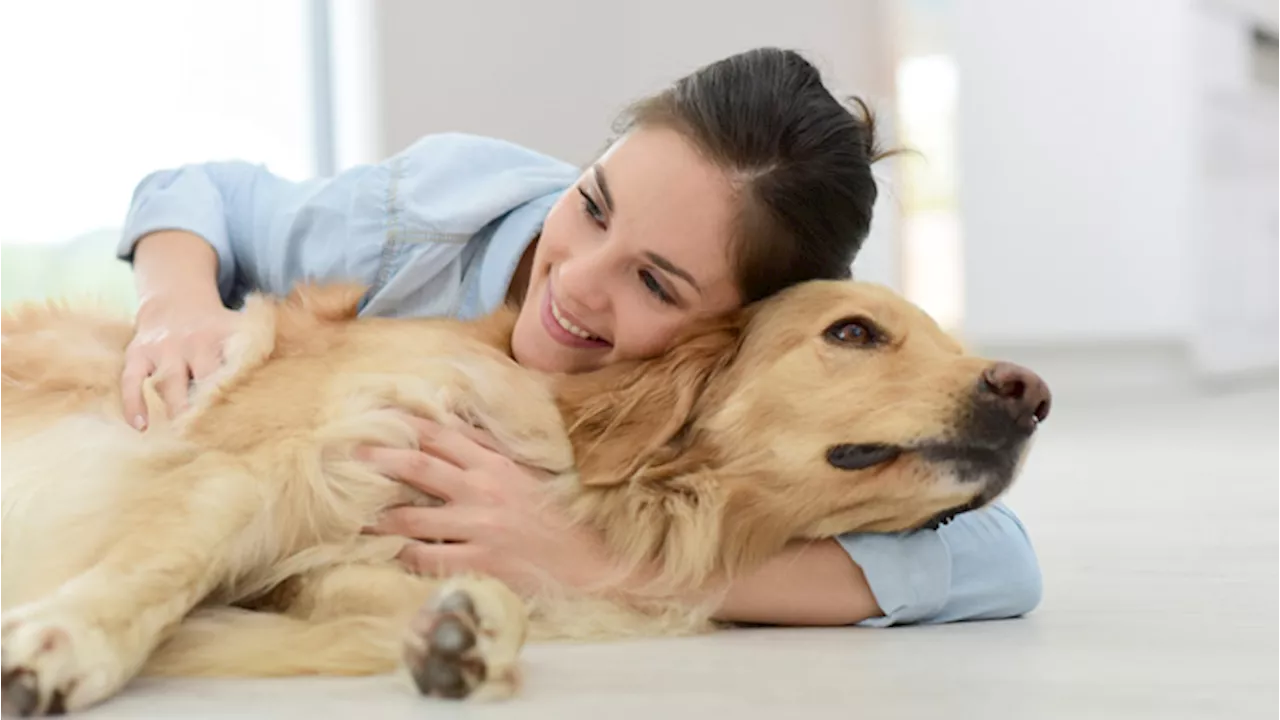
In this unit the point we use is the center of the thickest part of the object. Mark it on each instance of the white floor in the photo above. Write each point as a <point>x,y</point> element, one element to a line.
<point>1156,525</point>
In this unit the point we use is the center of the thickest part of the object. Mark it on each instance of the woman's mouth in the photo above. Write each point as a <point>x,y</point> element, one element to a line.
<point>565,329</point>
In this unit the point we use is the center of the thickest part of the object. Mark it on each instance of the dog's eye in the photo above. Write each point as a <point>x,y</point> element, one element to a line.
<point>855,332</point>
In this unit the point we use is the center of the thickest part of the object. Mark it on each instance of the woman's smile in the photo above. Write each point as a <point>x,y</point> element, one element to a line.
<point>565,328</point>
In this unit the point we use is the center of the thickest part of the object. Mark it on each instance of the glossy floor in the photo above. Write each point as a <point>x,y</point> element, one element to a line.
<point>1156,525</point>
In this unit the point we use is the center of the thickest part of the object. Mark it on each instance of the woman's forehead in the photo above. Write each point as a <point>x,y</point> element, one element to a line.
<point>670,200</point>
<point>662,159</point>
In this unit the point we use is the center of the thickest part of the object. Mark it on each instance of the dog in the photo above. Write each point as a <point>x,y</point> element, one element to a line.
<point>227,540</point>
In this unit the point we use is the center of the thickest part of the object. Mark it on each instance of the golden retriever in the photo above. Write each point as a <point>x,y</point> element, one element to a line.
<point>227,540</point>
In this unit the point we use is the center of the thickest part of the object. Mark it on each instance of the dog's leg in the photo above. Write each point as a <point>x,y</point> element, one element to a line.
<point>461,636</point>
<point>79,645</point>
<point>455,638</point>
<point>233,642</point>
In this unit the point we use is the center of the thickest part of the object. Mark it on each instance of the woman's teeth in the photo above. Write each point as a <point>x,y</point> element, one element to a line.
<point>555,311</point>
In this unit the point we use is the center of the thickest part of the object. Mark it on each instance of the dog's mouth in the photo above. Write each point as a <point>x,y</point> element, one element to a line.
<point>968,460</point>
<point>950,514</point>
<point>991,469</point>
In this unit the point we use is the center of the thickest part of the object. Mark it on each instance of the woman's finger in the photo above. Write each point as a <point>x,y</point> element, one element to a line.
<point>417,469</point>
<point>463,449</point>
<point>205,363</point>
<point>444,558</point>
<point>173,379</point>
<point>136,370</point>
<point>434,524</point>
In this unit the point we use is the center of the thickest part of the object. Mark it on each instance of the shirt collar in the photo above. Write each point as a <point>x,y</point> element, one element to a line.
<point>512,237</point>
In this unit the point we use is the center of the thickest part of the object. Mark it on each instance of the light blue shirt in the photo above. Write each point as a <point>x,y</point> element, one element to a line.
<point>437,230</point>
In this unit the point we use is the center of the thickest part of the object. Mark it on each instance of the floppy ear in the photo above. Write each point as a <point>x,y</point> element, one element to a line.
<point>636,421</point>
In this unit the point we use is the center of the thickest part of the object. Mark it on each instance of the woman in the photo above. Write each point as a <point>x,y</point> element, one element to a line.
<point>741,179</point>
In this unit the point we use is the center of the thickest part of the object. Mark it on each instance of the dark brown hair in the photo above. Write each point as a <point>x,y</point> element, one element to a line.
<point>801,161</point>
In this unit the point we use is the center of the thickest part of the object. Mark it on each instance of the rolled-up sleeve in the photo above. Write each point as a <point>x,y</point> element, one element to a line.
<point>979,566</point>
<point>215,201</point>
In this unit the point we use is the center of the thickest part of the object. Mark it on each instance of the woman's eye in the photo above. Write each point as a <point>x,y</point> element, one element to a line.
<point>854,332</point>
<point>653,286</point>
<point>590,207</point>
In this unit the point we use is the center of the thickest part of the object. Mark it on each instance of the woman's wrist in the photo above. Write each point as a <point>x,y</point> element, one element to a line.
<point>175,270</point>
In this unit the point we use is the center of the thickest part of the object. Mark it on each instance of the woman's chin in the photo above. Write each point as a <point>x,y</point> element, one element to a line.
<point>534,351</point>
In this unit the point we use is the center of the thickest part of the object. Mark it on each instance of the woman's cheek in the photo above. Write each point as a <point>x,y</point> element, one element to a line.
<point>650,338</point>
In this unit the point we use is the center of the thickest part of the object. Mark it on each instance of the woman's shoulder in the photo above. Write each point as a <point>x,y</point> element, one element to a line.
<point>458,182</point>
<point>455,200</point>
<point>481,154</point>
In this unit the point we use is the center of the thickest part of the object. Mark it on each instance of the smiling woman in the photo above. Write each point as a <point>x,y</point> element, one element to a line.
<point>633,254</point>
<point>742,179</point>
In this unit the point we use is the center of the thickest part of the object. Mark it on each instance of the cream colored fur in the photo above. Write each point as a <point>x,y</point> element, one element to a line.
<point>227,541</point>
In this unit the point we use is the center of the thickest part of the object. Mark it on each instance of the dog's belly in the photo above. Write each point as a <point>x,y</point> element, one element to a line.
<point>68,491</point>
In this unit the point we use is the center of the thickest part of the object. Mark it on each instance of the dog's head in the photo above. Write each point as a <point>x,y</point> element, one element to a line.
<point>874,419</point>
<point>832,407</point>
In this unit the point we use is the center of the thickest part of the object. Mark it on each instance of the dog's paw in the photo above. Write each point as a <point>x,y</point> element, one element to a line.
<point>53,663</point>
<point>464,642</point>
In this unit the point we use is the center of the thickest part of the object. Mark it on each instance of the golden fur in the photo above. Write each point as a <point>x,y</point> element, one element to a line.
<point>227,541</point>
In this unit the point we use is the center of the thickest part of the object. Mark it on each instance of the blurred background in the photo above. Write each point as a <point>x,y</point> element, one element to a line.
<point>1094,195</point>
<point>1095,190</point>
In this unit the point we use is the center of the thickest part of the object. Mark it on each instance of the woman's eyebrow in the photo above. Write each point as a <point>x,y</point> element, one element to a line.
<point>672,268</point>
<point>598,172</point>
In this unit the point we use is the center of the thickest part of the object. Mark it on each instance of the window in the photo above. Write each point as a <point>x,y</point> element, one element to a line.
<point>97,95</point>
<point>928,85</point>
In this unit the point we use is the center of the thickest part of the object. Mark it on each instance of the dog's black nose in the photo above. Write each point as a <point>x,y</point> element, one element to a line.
<point>1022,393</point>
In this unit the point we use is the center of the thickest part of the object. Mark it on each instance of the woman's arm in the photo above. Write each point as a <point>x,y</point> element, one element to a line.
<point>174,263</point>
<point>180,324</point>
<point>979,566</point>
<point>812,583</point>
<point>228,206</point>
<point>190,233</point>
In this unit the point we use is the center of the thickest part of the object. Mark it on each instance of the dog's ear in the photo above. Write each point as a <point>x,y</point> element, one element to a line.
<point>634,421</point>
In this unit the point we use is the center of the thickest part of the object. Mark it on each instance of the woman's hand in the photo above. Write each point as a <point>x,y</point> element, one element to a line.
<point>496,519</point>
<point>178,340</point>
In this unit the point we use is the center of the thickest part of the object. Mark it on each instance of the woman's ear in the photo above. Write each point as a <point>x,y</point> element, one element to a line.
<point>632,421</point>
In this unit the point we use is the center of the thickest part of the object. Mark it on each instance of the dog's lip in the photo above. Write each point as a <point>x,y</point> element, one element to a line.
<point>956,450</point>
<point>946,516</point>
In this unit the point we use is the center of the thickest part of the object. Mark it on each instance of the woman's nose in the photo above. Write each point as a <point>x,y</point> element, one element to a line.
<point>584,281</point>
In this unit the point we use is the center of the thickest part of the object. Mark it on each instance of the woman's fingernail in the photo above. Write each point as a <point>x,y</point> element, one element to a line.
<point>139,422</point>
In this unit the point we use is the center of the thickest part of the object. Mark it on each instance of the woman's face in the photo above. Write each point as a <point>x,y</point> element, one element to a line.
<point>633,252</point>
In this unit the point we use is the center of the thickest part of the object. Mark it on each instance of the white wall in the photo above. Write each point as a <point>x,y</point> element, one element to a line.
<point>1074,163</point>
<point>1096,207</point>
<point>552,75</point>
<point>1234,251</point>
